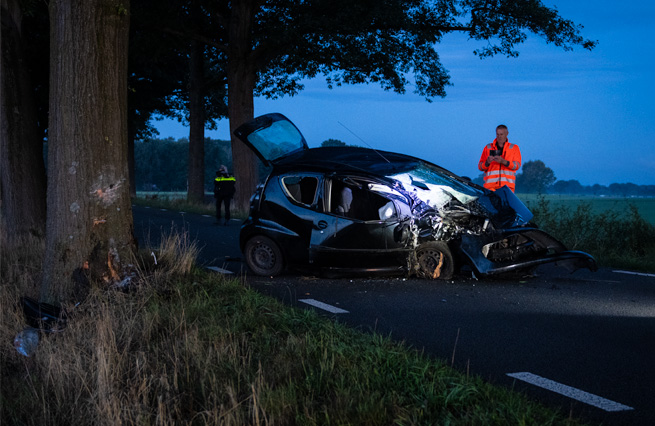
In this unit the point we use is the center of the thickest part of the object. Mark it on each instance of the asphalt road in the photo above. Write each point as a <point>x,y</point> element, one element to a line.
<point>583,343</point>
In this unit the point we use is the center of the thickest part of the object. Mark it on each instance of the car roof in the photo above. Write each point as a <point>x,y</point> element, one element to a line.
<point>344,159</point>
<point>280,144</point>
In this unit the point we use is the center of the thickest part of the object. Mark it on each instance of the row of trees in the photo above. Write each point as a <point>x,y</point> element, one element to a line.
<point>536,178</point>
<point>161,164</point>
<point>574,187</point>
<point>90,75</point>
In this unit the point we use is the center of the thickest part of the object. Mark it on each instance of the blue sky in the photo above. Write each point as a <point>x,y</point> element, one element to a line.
<point>588,116</point>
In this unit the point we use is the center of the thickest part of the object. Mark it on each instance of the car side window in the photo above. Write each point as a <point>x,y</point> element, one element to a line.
<point>301,189</point>
<point>358,202</point>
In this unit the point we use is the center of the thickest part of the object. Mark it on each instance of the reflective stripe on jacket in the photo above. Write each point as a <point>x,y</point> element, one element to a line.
<point>224,186</point>
<point>497,175</point>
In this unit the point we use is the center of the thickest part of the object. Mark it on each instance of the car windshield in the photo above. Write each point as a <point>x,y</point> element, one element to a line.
<point>278,139</point>
<point>435,187</point>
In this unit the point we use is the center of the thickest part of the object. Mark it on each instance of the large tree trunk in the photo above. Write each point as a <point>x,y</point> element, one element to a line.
<point>196,176</point>
<point>89,228</point>
<point>241,78</point>
<point>22,170</point>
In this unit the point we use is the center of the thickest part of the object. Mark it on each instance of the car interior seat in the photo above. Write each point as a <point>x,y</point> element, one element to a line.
<point>345,199</point>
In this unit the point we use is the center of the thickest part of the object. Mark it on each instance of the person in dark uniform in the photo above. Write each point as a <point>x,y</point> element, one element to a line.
<point>224,188</point>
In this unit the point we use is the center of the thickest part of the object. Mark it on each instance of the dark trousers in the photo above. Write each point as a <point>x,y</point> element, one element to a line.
<point>225,200</point>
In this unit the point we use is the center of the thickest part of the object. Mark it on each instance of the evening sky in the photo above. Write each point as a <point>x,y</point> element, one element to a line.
<point>589,116</point>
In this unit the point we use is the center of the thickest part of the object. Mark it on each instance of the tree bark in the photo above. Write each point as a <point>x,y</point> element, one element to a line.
<point>89,229</point>
<point>131,166</point>
<point>241,79</point>
<point>196,176</point>
<point>22,169</point>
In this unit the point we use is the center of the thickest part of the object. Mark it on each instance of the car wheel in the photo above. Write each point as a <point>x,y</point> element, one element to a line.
<point>263,256</point>
<point>435,261</point>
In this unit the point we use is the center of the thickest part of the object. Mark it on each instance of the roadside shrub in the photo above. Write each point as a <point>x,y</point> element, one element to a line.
<point>614,238</point>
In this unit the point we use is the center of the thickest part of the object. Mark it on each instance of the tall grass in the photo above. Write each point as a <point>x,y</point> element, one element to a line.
<point>185,347</point>
<point>618,239</point>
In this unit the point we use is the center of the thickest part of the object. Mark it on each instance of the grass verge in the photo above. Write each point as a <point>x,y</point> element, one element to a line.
<point>185,347</point>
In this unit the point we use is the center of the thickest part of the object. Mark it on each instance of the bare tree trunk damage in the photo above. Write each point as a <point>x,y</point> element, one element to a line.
<point>89,230</point>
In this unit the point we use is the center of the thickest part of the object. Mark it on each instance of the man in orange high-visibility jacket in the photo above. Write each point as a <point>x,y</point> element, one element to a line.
<point>500,161</point>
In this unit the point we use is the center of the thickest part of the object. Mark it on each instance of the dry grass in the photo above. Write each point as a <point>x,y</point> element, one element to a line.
<point>78,375</point>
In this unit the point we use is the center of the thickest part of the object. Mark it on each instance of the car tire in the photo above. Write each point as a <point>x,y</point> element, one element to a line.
<point>429,256</point>
<point>264,256</point>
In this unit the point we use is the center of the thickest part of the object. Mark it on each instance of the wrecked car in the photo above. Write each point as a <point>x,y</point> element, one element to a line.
<point>351,210</point>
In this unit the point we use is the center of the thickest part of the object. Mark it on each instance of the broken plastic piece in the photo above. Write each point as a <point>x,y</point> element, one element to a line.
<point>43,315</point>
<point>26,341</point>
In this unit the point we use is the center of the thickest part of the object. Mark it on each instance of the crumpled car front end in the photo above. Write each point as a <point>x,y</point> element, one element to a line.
<point>491,231</point>
<point>513,243</point>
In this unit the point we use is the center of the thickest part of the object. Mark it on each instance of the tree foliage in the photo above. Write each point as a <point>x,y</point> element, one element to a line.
<point>161,36</point>
<point>567,187</point>
<point>333,142</point>
<point>271,45</point>
<point>535,177</point>
<point>167,42</point>
<point>394,42</point>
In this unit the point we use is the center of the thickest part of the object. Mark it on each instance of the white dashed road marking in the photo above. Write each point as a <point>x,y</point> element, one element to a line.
<point>635,273</point>
<point>324,306</point>
<point>577,394</point>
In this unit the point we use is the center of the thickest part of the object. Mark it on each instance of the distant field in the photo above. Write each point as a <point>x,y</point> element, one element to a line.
<point>645,206</point>
<point>171,195</point>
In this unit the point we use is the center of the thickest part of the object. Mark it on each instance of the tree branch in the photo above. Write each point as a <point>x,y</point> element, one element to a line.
<point>194,36</point>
